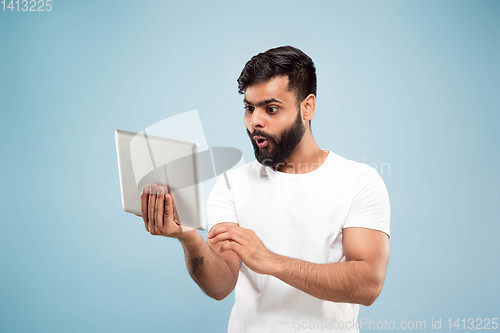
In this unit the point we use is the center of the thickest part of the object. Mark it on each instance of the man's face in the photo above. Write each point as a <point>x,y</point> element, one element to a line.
<point>273,120</point>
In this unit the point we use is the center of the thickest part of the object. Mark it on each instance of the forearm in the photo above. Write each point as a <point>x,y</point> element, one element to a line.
<point>206,267</point>
<point>346,282</point>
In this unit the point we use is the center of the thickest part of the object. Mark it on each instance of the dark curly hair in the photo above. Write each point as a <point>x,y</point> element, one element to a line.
<point>281,61</point>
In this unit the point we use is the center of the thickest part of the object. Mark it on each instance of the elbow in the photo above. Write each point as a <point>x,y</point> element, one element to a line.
<point>372,294</point>
<point>368,301</point>
<point>221,293</point>
<point>373,287</point>
<point>219,296</point>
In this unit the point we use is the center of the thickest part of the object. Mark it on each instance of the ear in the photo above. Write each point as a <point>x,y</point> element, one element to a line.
<point>308,105</point>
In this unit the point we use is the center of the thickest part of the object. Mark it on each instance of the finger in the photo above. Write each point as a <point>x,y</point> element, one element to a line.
<point>151,208</point>
<point>231,246</point>
<point>229,235</point>
<point>159,210</point>
<point>155,220</point>
<point>168,213</point>
<point>144,205</point>
<point>217,229</point>
<point>175,216</point>
<point>222,227</point>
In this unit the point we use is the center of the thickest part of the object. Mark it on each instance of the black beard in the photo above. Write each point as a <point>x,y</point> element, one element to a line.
<point>278,149</point>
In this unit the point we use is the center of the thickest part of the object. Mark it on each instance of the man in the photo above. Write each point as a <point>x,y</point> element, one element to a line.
<point>301,234</point>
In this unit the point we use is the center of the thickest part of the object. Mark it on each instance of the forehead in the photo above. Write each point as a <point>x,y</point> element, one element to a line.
<point>276,87</point>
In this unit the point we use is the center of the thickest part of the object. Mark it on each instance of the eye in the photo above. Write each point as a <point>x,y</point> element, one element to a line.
<point>272,109</point>
<point>249,108</point>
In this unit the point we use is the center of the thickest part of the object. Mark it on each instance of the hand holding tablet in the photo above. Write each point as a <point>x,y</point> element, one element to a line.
<point>144,160</point>
<point>159,212</point>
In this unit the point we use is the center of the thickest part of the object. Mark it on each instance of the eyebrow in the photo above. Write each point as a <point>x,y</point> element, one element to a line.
<point>261,103</point>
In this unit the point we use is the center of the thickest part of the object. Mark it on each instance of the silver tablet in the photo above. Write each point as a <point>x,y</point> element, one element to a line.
<point>144,159</point>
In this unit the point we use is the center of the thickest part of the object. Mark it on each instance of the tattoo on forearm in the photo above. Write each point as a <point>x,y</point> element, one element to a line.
<point>195,263</point>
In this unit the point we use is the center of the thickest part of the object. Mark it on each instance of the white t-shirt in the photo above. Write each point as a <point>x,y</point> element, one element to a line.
<point>300,216</point>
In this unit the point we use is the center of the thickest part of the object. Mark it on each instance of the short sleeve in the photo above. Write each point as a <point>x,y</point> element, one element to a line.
<point>220,203</point>
<point>370,206</point>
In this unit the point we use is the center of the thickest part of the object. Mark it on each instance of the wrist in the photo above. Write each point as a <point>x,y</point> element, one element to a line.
<point>187,236</point>
<point>276,264</point>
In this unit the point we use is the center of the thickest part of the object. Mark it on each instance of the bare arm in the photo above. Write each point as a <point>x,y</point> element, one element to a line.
<point>216,272</point>
<point>358,280</point>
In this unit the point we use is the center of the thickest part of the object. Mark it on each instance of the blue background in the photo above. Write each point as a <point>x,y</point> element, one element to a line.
<point>410,87</point>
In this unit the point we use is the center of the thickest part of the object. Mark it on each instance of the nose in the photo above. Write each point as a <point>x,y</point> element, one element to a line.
<point>257,119</point>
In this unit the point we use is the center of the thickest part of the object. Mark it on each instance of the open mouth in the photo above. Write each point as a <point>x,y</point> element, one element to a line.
<point>261,142</point>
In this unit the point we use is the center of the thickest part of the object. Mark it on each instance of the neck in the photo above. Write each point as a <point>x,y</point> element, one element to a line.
<point>306,157</point>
